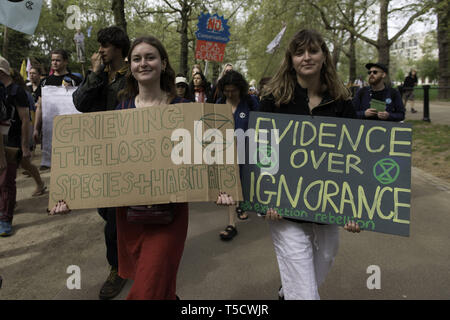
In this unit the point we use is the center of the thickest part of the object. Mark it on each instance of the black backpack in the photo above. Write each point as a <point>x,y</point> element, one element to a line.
<point>7,109</point>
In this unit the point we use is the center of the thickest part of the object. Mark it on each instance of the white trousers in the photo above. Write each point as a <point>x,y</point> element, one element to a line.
<point>305,253</point>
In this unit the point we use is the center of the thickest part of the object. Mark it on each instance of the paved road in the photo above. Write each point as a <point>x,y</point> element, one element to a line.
<point>439,112</point>
<point>33,262</point>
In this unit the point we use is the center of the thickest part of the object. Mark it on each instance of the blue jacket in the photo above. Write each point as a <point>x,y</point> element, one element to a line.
<point>241,115</point>
<point>394,103</point>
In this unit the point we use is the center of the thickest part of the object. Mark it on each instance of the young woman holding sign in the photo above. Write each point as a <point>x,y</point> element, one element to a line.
<point>305,84</point>
<point>149,252</point>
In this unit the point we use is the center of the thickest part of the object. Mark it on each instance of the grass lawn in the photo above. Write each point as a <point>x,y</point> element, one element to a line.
<point>431,148</point>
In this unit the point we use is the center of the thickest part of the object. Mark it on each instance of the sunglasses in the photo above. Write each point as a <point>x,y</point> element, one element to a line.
<point>372,71</point>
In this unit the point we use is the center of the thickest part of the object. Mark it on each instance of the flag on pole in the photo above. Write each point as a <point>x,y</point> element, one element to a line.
<point>89,30</point>
<point>20,15</point>
<point>23,70</point>
<point>29,66</point>
<point>276,41</point>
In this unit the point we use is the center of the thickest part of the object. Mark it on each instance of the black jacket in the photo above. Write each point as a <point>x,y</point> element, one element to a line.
<point>96,94</point>
<point>299,105</point>
<point>409,83</point>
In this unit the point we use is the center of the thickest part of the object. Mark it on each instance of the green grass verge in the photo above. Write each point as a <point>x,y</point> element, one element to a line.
<point>430,137</point>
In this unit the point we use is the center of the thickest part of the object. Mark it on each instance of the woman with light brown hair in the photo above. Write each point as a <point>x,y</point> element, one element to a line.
<point>149,252</point>
<point>305,84</point>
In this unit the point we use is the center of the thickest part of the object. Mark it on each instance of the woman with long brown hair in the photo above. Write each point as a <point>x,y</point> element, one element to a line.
<point>150,254</point>
<point>305,84</point>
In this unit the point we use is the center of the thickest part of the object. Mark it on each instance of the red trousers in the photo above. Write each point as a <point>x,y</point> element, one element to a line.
<point>151,254</point>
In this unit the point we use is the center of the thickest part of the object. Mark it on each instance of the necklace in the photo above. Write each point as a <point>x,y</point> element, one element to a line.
<point>140,104</point>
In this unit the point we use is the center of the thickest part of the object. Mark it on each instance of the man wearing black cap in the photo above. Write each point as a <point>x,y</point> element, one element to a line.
<point>378,101</point>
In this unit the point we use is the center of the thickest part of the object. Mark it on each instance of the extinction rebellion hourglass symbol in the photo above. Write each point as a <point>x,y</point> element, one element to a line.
<point>28,4</point>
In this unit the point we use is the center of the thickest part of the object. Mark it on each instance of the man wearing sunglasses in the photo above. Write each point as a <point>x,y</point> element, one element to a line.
<point>378,101</point>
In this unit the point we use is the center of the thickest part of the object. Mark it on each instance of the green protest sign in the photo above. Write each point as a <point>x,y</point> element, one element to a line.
<point>378,105</point>
<point>330,170</point>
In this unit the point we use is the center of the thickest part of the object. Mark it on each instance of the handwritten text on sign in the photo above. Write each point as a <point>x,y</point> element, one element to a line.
<point>212,51</point>
<point>120,158</point>
<point>332,170</point>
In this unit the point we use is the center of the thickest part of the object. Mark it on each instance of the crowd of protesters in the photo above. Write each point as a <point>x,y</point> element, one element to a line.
<point>138,74</point>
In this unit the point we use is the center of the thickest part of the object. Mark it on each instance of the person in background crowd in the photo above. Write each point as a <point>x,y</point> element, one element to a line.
<point>306,83</point>
<point>150,254</point>
<point>16,147</point>
<point>25,162</point>
<point>261,85</point>
<point>227,67</point>
<point>60,76</point>
<point>195,69</point>
<point>216,92</point>
<point>33,86</point>
<point>98,92</point>
<point>182,87</point>
<point>408,89</point>
<point>200,88</point>
<point>389,97</point>
<point>234,91</point>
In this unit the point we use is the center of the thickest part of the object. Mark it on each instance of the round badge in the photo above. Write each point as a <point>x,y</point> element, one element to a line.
<point>388,100</point>
<point>242,115</point>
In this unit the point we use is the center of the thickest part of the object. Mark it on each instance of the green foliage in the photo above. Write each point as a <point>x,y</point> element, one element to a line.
<point>18,47</point>
<point>253,25</point>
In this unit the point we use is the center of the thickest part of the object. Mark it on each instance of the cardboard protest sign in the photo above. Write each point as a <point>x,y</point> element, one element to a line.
<point>330,170</point>
<point>212,37</point>
<point>159,154</point>
<point>55,101</point>
<point>211,51</point>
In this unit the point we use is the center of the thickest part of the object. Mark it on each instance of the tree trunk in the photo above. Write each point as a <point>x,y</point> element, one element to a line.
<point>336,53</point>
<point>118,8</point>
<point>215,72</point>
<point>352,59</point>
<point>383,40</point>
<point>443,35</point>
<point>352,45</point>
<point>5,43</point>
<point>184,48</point>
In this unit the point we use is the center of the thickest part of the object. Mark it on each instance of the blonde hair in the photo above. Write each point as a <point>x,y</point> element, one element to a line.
<point>282,85</point>
<point>224,70</point>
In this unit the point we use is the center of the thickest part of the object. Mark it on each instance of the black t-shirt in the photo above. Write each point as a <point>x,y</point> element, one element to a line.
<point>33,92</point>
<point>57,81</point>
<point>409,82</point>
<point>379,95</point>
<point>19,100</point>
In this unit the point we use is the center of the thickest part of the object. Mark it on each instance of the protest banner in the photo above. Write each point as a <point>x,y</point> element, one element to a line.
<point>143,156</point>
<point>212,36</point>
<point>211,51</point>
<point>331,170</point>
<point>55,101</point>
<point>21,15</point>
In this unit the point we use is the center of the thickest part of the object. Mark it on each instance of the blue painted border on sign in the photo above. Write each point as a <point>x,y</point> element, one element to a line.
<point>203,33</point>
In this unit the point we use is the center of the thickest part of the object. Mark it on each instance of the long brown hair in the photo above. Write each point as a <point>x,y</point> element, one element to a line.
<point>167,80</point>
<point>282,85</point>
